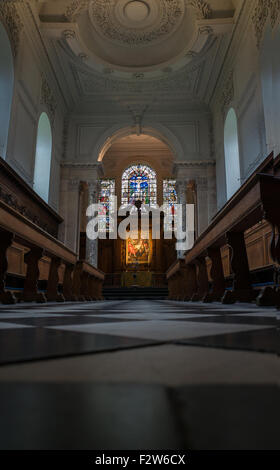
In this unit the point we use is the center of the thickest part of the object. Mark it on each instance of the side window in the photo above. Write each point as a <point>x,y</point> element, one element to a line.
<point>43,157</point>
<point>232,162</point>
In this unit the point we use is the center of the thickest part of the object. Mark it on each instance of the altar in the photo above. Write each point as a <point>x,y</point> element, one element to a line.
<point>136,278</point>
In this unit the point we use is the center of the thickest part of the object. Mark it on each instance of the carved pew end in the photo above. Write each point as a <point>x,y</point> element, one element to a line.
<point>39,298</point>
<point>230,297</point>
<point>208,298</point>
<point>195,298</point>
<point>268,297</point>
<point>8,298</point>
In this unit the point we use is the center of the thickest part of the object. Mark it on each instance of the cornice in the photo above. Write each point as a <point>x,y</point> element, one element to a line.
<point>195,164</point>
<point>84,165</point>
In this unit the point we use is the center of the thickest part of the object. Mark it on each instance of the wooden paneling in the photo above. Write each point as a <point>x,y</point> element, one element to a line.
<point>16,193</point>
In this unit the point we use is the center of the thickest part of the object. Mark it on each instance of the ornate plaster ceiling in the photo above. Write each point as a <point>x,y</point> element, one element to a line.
<point>136,23</point>
<point>141,47</point>
<point>137,36</point>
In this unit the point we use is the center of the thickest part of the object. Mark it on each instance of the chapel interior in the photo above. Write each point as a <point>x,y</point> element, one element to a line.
<point>132,343</point>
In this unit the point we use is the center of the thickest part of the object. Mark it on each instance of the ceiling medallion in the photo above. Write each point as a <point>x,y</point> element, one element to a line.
<point>136,11</point>
<point>136,22</point>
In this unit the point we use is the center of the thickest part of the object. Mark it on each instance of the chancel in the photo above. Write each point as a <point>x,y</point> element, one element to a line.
<point>124,337</point>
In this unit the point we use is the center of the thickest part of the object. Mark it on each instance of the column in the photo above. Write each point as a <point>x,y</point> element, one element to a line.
<point>181,189</point>
<point>202,204</point>
<point>69,231</point>
<point>92,245</point>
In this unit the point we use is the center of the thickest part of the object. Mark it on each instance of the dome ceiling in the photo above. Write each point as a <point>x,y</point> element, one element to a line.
<point>148,47</point>
<point>139,36</point>
<point>128,34</point>
<point>136,22</point>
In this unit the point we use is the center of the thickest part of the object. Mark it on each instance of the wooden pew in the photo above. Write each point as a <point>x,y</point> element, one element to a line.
<point>20,226</point>
<point>87,282</point>
<point>256,200</point>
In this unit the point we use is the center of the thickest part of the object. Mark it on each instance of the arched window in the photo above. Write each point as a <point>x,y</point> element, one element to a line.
<point>139,183</point>
<point>232,162</point>
<point>6,88</point>
<point>43,157</point>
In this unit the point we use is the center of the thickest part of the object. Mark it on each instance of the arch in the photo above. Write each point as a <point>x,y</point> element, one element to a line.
<point>43,157</point>
<point>232,161</point>
<point>6,88</point>
<point>154,130</point>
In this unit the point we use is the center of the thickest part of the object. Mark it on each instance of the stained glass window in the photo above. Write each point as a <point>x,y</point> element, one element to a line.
<point>106,195</point>
<point>139,183</point>
<point>169,199</point>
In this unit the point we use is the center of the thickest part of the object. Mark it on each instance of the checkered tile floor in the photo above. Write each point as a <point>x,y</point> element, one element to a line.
<point>32,332</point>
<point>139,375</point>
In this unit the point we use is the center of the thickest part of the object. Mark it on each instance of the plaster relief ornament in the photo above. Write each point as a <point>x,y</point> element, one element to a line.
<point>265,9</point>
<point>10,18</point>
<point>135,23</point>
<point>203,10</point>
<point>48,99</point>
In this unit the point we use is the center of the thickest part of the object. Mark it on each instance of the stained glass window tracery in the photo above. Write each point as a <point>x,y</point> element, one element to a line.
<point>139,182</point>
<point>170,200</point>
<point>106,202</point>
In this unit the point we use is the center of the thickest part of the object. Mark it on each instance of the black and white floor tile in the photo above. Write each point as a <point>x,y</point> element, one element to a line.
<point>142,374</point>
<point>30,332</point>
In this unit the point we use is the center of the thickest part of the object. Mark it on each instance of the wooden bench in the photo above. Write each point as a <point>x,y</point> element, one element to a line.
<point>256,200</point>
<point>81,281</point>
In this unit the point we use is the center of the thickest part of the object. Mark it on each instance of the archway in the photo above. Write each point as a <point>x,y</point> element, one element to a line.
<point>231,145</point>
<point>43,157</point>
<point>158,131</point>
<point>139,168</point>
<point>6,88</point>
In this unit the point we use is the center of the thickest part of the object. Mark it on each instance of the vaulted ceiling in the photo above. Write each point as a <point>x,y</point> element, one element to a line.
<point>114,55</point>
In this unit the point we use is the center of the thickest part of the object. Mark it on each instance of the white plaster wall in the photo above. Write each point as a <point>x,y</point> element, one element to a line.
<point>188,135</point>
<point>270,80</point>
<point>243,60</point>
<point>31,63</point>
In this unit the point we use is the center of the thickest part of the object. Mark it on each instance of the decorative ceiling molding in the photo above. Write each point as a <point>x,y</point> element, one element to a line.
<point>274,12</point>
<point>265,9</point>
<point>138,112</point>
<point>10,18</point>
<point>227,95</point>
<point>75,8</point>
<point>48,99</point>
<point>168,14</point>
<point>203,10</point>
<point>183,82</point>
